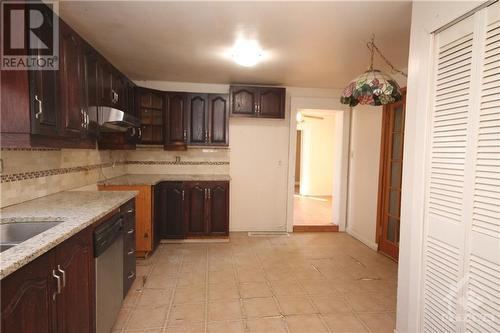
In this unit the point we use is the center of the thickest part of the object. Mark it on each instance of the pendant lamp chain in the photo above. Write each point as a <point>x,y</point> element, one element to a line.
<point>372,47</point>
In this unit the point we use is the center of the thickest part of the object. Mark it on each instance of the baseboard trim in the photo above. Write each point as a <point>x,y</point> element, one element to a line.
<point>316,228</point>
<point>371,245</point>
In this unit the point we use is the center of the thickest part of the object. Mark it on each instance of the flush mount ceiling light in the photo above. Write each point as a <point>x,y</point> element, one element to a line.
<point>246,52</point>
<point>373,87</point>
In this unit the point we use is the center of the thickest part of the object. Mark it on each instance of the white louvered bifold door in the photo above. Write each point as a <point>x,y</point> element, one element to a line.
<point>461,283</point>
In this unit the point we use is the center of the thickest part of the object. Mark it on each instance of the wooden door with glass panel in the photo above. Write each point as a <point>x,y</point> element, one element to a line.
<point>391,167</point>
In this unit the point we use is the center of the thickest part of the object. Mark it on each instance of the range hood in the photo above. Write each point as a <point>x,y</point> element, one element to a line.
<point>112,119</point>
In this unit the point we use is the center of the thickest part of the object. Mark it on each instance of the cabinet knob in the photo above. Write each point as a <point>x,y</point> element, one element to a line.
<point>40,109</point>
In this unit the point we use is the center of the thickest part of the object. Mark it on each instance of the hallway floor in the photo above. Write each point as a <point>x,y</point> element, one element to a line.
<point>308,210</point>
<point>304,283</point>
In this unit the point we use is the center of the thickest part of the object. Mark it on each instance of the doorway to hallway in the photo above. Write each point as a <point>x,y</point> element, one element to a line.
<point>314,171</point>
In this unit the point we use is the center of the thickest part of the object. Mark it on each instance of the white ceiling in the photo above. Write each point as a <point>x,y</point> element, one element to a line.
<point>310,44</point>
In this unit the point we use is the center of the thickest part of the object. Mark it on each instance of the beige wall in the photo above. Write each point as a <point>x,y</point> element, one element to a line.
<point>318,153</point>
<point>366,125</point>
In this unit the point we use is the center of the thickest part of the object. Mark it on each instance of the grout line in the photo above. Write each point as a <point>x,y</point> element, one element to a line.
<point>205,329</point>
<point>171,305</point>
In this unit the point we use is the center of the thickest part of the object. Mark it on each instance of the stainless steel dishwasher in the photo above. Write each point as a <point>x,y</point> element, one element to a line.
<point>108,250</point>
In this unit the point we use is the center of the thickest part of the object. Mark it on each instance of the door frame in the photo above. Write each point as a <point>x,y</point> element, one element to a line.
<point>341,168</point>
<point>383,165</point>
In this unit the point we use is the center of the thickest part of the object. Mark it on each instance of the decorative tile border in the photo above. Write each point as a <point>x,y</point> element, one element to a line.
<point>31,149</point>
<point>177,163</point>
<point>53,172</point>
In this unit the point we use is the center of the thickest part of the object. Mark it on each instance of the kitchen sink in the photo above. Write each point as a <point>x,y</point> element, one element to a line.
<point>14,233</point>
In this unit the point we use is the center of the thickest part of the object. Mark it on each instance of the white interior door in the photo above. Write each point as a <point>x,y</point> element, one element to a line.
<point>461,283</point>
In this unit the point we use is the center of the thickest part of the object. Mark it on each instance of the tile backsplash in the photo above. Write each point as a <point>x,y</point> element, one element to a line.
<point>31,173</point>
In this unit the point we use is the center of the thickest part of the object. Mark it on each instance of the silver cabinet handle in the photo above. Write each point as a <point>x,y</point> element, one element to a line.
<point>206,195</point>
<point>140,132</point>
<point>83,117</point>
<point>40,109</point>
<point>183,192</point>
<point>130,232</point>
<point>131,275</point>
<point>63,275</point>
<point>130,211</point>
<point>185,135</point>
<point>131,251</point>
<point>87,118</point>
<point>58,278</point>
<point>209,193</point>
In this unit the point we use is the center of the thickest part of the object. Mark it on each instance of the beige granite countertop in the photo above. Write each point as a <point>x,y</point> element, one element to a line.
<point>153,179</point>
<point>77,210</point>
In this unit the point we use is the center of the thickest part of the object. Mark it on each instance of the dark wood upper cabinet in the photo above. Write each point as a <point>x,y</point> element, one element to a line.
<point>197,108</point>
<point>151,111</point>
<point>27,298</point>
<point>44,90</point>
<point>170,210</point>
<point>262,102</point>
<point>271,103</point>
<point>91,91</point>
<point>218,208</point>
<point>71,82</point>
<point>197,209</point>
<point>175,122</point>
<point>75,304</point>
<point>243,101</point>
<point>218,120</point>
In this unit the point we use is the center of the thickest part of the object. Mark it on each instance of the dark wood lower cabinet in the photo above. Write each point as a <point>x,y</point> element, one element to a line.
<point>170,210</point>
<point>192,209</point>
<point>32,301</point>
<point>27,298</point>
<point>75,303</point>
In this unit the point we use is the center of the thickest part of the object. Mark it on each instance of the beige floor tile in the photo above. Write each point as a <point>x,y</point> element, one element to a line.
<point>291,305</point>
<point>344,323</point>
<point>251,275</point>
<point>319,286</point>
<point>223,276</point>
<point>266,325</point>
<point>288,287</point>
<point>160,282</point>
<point>305,323</point>
<point>331,304</point>
<point>121,320</point>
<point>277,274</point>
<point>371,302</point>
<point>379,322</point>
<point>147,317</point>
<point>188,328</point>
<point>260,307</point>
<point>192,279</point>
<point>226,327</point>
<point>254,289</point>
<point>195,294</point>
<point>224,310</point>
<point>182,314</point>
<point>131,299</point>
<point>154,297</point>
<point>222,291</point>
<point>165,269</point>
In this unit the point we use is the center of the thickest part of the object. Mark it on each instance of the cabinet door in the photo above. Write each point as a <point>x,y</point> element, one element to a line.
<point>271,102</point>
<point>175,123</point>
<point>218,120</point>
<point>71,80</point>
<point>197,107</point>
<point>218,211</point>
<point>75,304</point>
<point>27,298</point>
<point>170,210</point>
<point>196,212</point>
<point>91,91</point>
<point>44,95</point>
<point>243,101</point>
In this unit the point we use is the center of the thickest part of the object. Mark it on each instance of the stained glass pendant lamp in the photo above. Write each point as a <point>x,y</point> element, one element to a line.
<point>373,87</point>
